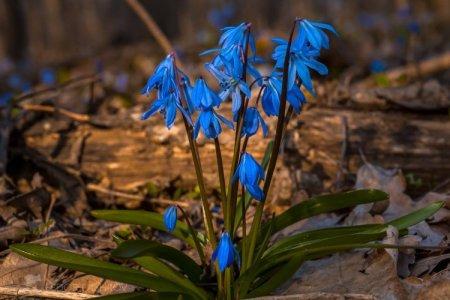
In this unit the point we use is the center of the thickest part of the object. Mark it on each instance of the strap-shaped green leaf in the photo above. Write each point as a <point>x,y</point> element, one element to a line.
<point>323,204</point>
<point>139,248</point>
<point>146,218</point>
<point>81,263</point>
<point>326,242</point>
<point>160,268</point>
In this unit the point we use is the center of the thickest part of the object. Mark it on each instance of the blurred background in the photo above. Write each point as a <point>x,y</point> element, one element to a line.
<point>59,33</point>
<point>385,101</point>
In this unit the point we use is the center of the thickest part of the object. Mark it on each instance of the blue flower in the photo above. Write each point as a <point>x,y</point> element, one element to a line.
<point>270,98</point>
<point>377,66</point>
<point>231,84</point>
<point>209,122</point>
<point>170,218</point>
<point>249,173</point>
<point>313,33</point>
<point>203,97</point>
<point>225,252</point>
<point>252,120</point>
<point>168,96</point>
<point>48,76</point>
<point>5,98</point>
<point>304,51</point>
<point>300,59</point>
<point>162,77</point>
<point>296,98</point>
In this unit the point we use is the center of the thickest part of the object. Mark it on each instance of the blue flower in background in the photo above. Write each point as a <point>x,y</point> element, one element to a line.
<point>231,84</point>
<point>170,218</point>
<point>377,66</point>
<point>5,98</point>
<point>252,120</point>
<point>121,82</point>
<point>225,253</point>
<point>203,97</point>
<point>48,76</point>
<point>249,173</point>
<point>209,121</point>
<point>220,16</point>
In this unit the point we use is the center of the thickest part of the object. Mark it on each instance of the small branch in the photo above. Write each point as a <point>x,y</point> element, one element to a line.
<point>97,188</point>
<point>151,25</point>
<point>70,84</point>
<point>33,292</point>
<point>82,118</point>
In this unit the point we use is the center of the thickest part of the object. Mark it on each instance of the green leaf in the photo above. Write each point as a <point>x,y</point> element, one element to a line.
<point>158,267</point>
<point>138,248</point>
<point>145,218</point>
<point>248,198</point>
<point>143,296</point>
<point>323,204</point>
<point>77,262</point>
<point>324,241</point>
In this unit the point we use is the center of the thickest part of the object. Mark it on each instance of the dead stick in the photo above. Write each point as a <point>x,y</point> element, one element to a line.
<point>154,29</point>
<point>100,189</point>
<point>70,84</point>
<point>33,292</point>
<point>52,109</point>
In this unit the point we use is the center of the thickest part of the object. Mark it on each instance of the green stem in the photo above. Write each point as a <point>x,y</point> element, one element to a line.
<point>275,151</point>
<point>221,172</point>
<point>244,228</point>
<point>207,216</point>
<point>232,186</point>
<point>198,246</point>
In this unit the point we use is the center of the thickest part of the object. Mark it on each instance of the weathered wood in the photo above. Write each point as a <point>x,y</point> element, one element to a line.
<point>130,156</point>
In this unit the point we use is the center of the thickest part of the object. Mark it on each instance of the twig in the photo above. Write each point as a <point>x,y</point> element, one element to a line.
<point>100,189</point>
<point>70,84</point>
<point>154,29</point>
<point>412,71</point>
<point>33,292</point>
<point>52,109</point>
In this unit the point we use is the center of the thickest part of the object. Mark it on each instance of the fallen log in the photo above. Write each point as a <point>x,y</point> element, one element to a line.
<point>130,156</point>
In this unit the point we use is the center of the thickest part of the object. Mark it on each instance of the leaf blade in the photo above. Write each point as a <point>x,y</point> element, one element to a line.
<point>145,218</point>
<point>77,262</point>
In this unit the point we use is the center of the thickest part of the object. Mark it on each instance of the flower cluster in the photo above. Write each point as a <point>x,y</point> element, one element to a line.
<point>232,61</point>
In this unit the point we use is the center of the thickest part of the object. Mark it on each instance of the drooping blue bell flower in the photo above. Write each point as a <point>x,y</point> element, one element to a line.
<point>162,77</point>
<point>249,172</point>
<point>225,253</point>
<point>209,121</point>
<point>312,32</point>
<point>304,51</point>
<point>231,84</point>
<point>296,98</point>
<point>270,98</point>
<point>301,58</point>
<point>203,97</point>
<point>170,218</point>
<point>252,121</point>
<point>168,100</point>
